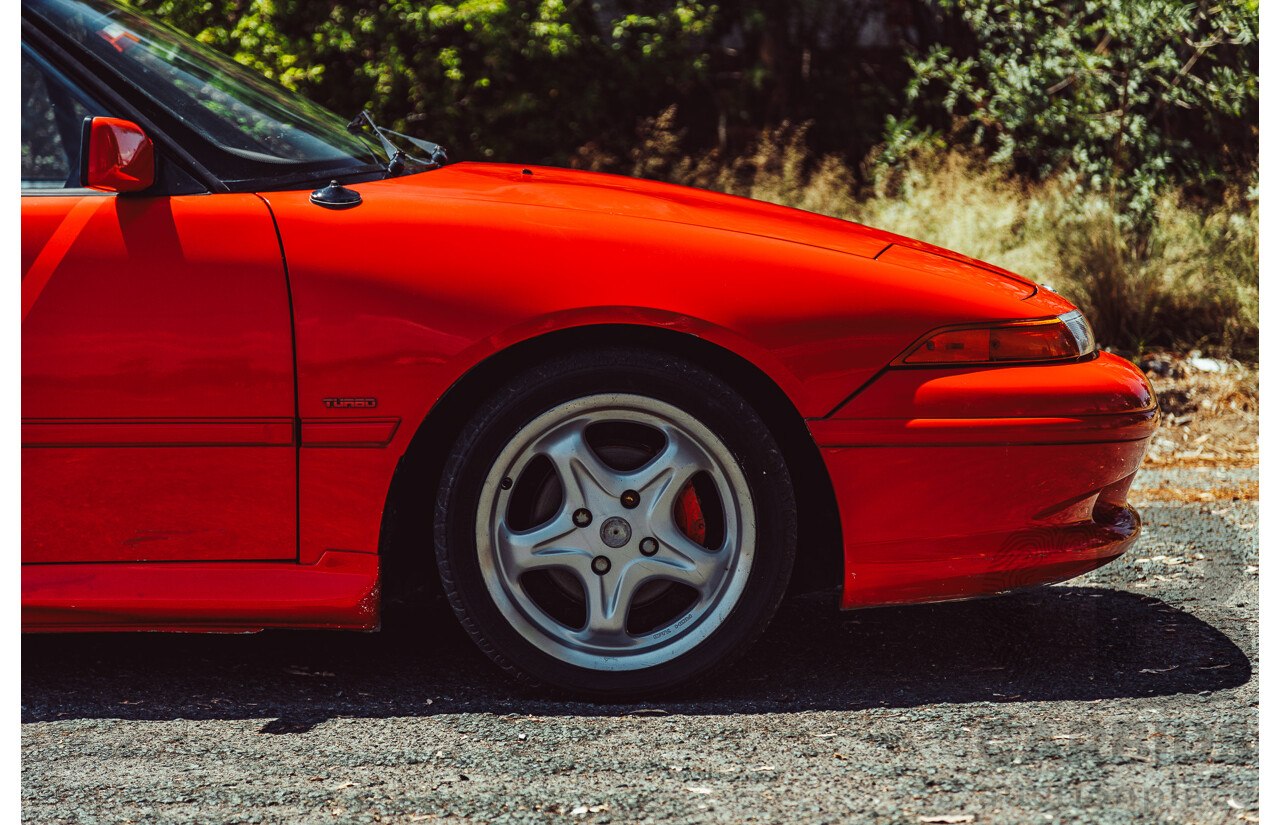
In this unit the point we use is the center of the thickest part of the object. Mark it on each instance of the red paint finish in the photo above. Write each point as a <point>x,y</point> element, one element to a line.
<point>343,467</point>
<point>340,591</point>
<point>110,433</point>
<point>46,239</point>
<point>913,513</point>
<point>938,501</point>
<point>399,297</point>
<point>880,432</point>
<point>1025,558</point>
<point>159,384</point>
<point>342,492</point>
<point>133,504</point>
<point>153,313</point>
<point>1104,385</point>
<point>157,323</point>
<point>121,157</point>
<point>351,433</point>
<point>963,273</point>
<point>497,259</point>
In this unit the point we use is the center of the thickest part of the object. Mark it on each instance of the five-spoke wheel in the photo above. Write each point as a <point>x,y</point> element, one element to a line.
<point>615,523</point>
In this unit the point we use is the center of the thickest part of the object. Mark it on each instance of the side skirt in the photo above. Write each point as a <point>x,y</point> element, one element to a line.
<point>340,591</point>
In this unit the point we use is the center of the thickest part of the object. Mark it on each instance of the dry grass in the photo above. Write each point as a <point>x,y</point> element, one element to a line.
<point>1189,281</point>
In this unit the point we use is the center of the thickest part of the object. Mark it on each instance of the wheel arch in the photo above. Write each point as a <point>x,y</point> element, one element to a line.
<point>408,514</point>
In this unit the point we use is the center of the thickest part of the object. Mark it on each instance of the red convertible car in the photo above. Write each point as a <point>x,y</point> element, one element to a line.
<point>267,353</point>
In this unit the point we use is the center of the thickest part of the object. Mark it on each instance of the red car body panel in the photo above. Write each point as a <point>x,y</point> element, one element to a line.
<point>397,299</point>
<point>959,482</point>
<point>157,381</point>
<point>951,482</point>
<point>340,591</point>
<point>1106,385</point>
<point>448,267</point>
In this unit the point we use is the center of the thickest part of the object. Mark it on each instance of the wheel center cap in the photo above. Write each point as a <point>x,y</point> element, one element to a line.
<point>615,531</point>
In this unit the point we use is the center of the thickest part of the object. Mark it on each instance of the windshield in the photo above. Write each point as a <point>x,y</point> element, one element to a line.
<point>271,129</point>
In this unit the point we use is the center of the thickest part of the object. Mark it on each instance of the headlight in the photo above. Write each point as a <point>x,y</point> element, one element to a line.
<point>1041,339</point>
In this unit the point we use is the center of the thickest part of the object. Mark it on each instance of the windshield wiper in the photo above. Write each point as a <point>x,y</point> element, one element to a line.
<point>397,159</point>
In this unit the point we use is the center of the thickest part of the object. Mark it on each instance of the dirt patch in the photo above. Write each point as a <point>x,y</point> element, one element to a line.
<point>1237,491</point>
<point>1208,412</point>
<point>1189,460</point>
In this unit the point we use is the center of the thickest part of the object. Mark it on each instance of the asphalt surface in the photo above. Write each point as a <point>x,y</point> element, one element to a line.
<point>1129,695</point>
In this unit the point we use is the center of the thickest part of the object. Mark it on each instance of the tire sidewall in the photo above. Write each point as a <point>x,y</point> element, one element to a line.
<point>676,382</point>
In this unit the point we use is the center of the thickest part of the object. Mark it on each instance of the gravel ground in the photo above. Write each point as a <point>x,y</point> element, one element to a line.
<point>1128,695</point>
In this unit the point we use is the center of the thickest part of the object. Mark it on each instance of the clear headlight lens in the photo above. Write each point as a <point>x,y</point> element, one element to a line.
<point>1042,339</point>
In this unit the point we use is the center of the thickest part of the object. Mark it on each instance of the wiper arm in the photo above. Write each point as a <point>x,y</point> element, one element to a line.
<point>397,160</point>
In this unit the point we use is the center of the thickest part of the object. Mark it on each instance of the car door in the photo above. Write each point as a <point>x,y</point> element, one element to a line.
<point>158,407</point>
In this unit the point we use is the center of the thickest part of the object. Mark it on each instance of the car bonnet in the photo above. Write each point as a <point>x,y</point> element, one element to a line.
<point>653,200</point>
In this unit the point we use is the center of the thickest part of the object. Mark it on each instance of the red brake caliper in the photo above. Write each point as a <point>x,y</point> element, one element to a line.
<point>689,515</point>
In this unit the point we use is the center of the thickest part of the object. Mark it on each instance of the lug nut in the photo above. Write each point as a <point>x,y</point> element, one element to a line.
<point>506,483</point>
<point>630,499</point>
<point>582,517</point>
<point>648,546</point>
<point>600,565</point>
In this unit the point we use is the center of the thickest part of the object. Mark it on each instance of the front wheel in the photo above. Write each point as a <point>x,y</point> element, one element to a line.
<point>615,523</point>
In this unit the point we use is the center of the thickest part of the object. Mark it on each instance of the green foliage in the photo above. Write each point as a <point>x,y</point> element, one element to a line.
<point>1103,144</point>
<point>1129,97</point>
<point>1126,97</point>
<point>508,79</point>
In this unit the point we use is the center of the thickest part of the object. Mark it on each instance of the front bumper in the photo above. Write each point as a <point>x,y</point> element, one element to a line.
<point>939,503</point>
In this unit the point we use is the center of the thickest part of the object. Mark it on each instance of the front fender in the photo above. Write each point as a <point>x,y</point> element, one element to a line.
<point>395,299</point>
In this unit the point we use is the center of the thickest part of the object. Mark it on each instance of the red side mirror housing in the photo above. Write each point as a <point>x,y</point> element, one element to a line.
<point>116,156</point>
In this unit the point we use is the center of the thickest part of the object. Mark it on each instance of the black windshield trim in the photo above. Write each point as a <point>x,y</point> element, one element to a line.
<point>65,60</point>
<point>156,120</point>
<point>359,174</point>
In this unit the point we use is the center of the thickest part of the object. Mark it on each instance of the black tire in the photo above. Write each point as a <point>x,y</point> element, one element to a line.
<point>524,574</point>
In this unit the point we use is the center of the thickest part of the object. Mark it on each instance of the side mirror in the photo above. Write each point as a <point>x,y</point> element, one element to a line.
<point>116,156</point>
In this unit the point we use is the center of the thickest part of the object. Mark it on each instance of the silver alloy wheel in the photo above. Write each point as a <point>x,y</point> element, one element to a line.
<point>561,546</point>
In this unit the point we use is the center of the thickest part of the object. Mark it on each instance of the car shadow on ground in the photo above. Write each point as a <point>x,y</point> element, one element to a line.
<point>1055,644</point>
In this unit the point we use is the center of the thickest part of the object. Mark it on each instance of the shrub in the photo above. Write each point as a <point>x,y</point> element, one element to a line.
<point>1117,96</point>
<point>1189,279</point>
<point>1128,97</point>
<point>506,79</point>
